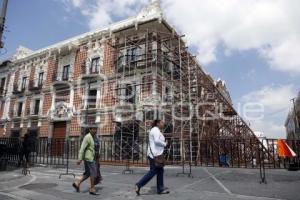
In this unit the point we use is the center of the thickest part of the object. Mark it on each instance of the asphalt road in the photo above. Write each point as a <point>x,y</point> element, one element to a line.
<point>207,184</point>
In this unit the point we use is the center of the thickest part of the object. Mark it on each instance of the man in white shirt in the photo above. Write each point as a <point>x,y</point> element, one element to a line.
<point>156,147</point>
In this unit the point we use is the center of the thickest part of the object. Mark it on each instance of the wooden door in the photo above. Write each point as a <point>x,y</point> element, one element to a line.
<point>58,139</point>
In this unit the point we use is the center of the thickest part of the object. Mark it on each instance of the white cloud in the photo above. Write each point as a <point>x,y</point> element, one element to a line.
<point>77,3</point>
<point>271,27</point>
<point>276,103</point>
<point>272,97</point>
<point>102,12</point>
<point>270,129</point>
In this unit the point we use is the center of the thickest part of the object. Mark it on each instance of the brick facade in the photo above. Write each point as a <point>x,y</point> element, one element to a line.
<point>105,61</point>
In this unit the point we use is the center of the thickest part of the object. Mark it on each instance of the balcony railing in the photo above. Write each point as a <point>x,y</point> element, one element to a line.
<point>17,89</point>
<point>33,86</point>
<point>2,92</point>
<point>32,111</point>
<point>61,77</point>
<point>89,72</point>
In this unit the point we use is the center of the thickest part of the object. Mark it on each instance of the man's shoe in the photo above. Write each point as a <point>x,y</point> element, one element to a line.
<point>92,192</point>
<point>164,192</point>
<point>137,190</point>
<point>76,187</point>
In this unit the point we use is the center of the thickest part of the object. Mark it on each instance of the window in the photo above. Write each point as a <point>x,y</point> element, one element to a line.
<point>40,80</point>
<point>95,65</point>
<point>130,94</point>
<point>131,55</point>
<point>176,72</point>
<point>36,107</point>
<point>2,86</point>
<point>92,99</point>
<point>126,93</point>
<point>66,70</point>
<point>2,83</point>
<point>20,107</point>
<point>168,94</point>
<point>24,80</point>
<point>149,115</point>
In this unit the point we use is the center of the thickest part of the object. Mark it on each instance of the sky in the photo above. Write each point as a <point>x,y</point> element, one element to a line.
<point>253,45</point>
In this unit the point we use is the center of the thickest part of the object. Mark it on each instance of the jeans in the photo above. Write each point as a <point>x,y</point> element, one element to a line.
<point>158,171</point>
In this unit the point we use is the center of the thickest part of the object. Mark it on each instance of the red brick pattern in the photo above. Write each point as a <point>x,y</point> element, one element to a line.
<point>78,102</point>
<point>11,108</point>
<point>44,130</point>
<point>108,94</point>
<point>80,61</point>
<point>17,76</point>
<point>31,75</point>
<point>74,127</point>
<point>109,58</point>
<point>51,70</point>
<point>146,90</point>
<point>2,132</point>
<point>107,125</point>
<point>27,107</point>
<point>47,103</point>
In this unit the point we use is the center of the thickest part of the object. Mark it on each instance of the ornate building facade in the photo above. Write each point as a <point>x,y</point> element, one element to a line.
<point>118,78</point>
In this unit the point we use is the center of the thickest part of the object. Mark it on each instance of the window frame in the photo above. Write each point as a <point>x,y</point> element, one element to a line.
<point>95,65</point>
<point>20,109</point>
<point>24,82</point>
<point>36,107</point>
<point>66,73</point>
<point>40,79</point>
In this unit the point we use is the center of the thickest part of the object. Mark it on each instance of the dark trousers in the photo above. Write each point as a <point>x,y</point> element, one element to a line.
<point>158,171</point>
<point>21,157</point>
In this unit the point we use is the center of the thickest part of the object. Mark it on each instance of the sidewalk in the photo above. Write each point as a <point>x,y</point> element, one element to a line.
<point>208,183</point>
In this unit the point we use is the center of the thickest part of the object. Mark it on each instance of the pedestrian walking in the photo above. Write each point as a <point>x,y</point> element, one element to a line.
<point>87,155</point>
<point>98,178</point>
<point>25,151</point>
<point>155,152</point>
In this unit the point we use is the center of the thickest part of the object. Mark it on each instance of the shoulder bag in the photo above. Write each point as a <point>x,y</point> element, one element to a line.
<point>160,161</point>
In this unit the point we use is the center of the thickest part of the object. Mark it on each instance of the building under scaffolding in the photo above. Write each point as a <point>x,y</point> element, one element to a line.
<point>120,78</point>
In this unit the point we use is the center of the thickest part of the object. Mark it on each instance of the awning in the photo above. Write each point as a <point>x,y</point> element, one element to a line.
<point>284,150</point>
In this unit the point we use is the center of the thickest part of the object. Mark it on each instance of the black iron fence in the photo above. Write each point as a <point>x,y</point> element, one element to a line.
<point>214,153</point>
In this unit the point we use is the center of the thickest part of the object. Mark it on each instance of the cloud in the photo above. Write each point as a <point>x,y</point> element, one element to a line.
<point>276,103</point>
<point>270,129</point>
<point>271,27</point>
<point>272,97</point>
<point>103,12</point>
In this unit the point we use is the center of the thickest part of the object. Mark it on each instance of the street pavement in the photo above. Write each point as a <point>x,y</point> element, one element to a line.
<point>207,184</point>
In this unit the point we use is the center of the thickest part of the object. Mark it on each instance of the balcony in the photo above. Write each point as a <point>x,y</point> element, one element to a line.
<point>33,113</point>
<point>89,73</point>
<point>60,79</point>
<point>127,63</point>
<point>35,87</point>
<point>17,114</point>
<point>18,90</point>
<point>168,99</point>
<point>2,92</point>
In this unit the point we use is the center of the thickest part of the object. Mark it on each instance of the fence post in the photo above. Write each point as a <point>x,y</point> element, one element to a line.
<point>189,174</point>
<point>67,151</point>
<point>262,171</point>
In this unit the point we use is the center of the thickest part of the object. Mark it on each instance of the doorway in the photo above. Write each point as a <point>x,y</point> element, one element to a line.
<point>58,138</point>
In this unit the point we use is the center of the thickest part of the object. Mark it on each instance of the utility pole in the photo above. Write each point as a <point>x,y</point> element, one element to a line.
<point>2,21</point>
<point>295,117</point>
